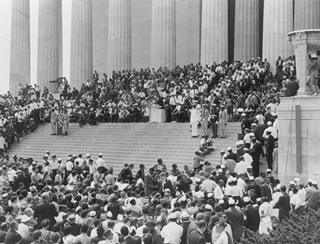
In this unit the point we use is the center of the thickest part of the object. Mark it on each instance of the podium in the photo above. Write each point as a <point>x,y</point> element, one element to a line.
<point>157,115</point>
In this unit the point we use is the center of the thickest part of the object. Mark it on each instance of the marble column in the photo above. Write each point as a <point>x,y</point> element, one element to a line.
<point>49,39</point>
<point>306,14</point>
<point>81,43</point>
<point>246,37</point>
<point>119,36</point>
<point>20,45</point>
<point>277,22</point>
<point>163,34</point>
<point>214,31</point>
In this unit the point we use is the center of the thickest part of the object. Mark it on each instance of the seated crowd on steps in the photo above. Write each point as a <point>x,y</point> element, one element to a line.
<point>81,201</point>
<point>127,96</point>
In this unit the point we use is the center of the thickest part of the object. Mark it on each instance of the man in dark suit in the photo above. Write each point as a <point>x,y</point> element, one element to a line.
<point>269,149</point>
<point>231,154</point>
<point>75,227</point>
<point>45,210</point>
<point>235,219</point>
<point>256,151</point>
<point>196,236</point>
<point>283,204</point>
<point>12,235</point>
<point>251,215</point>
<point>166,184</point>
<point>267,189</point>
<point>312,197</point>
<point>149,182</point>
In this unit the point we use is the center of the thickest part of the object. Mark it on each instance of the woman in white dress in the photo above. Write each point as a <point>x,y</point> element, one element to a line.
<point>265,211</point>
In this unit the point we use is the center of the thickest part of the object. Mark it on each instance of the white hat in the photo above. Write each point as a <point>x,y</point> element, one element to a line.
<point>229,149</point>
<point>200,195</point>
<point>291,182</point>
<point>234,179</point>
<point>259,199</point>
<point>269,123</point>
<point>220,170</point>
<point>314,182</point>
<point>183,199</point>
<point>184,215</point>
<point>208,206</point>
<point>209,195</point>
<point>172,216</point>
<point>310,180</point>
<point>45,156</point>
<point>198,180</point>
<point>25,218</point>
<point>251,178</point>
<point>268,170</point>
<point>297,180</point>
<point>88,155</point>
<point>223,166</point>
<point>109,214</point>
<point>59,159</point>
<point>120,217</point>
<point>47,152</point>
<point>225,155</point>
<point>251,134</point>
<point>249,167</point>
<point>69,239</point>
<point>222,151</point>
<point>246,199</point>
<point>92,213</point>
<point>167,190</point>
<point>221,201</point>
<point>278,186</point>
<point>100,154</point>
<point>231,201</point>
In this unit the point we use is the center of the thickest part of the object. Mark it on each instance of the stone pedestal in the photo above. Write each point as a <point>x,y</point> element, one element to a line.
<point>119,36</point>
<point>306,14</point>
<point>163,34</point>
<point>20,45</point>
<point>299,137</point>
<point>49,39</point>
<point>277,22</point>
<point>214,31</point>
<point>81,43</point>
<point>246,36</point>
<point>305,42</point>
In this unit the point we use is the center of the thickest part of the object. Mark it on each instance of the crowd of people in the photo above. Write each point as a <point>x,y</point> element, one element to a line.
<point>82,201</point>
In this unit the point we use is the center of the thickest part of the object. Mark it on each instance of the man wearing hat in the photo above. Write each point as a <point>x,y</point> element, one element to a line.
<point>205,119</point>
<point>223,116</point>
<point>185,218</point>
<point>172,232</point>
<point>236,219</point>
<point>313,67</point>
<point>251,215</point>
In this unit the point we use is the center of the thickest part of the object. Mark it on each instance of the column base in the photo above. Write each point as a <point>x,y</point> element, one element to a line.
<point>308,141</point>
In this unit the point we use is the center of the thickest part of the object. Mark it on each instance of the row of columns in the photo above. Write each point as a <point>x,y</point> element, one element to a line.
<point>278,21</point>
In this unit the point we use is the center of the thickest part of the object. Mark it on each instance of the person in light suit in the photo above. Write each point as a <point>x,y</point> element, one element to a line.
<point>223,117</point>
<point>194,120</point>
<point>53,121</point>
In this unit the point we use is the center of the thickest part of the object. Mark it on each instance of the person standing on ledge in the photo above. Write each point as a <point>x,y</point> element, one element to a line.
<point>314,74</point>
<point>292,87</point>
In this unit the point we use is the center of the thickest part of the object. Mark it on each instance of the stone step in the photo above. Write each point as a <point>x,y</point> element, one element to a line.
<point>125,143</point>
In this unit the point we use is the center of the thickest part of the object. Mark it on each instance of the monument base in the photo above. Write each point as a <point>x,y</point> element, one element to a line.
<point>299,138</point>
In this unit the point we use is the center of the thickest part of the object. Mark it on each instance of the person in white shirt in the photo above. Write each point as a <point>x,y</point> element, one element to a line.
<point>241,167</point>
<point>23,228</point>
<point>218,191</point>
<point>100,162</point>
<point>301,199</point>
<point>208,185</point>
<point>172,232</point>
<point>273,131</point>
<point>247,157</point>
<point>219,235</point>
<point>194,120</point>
